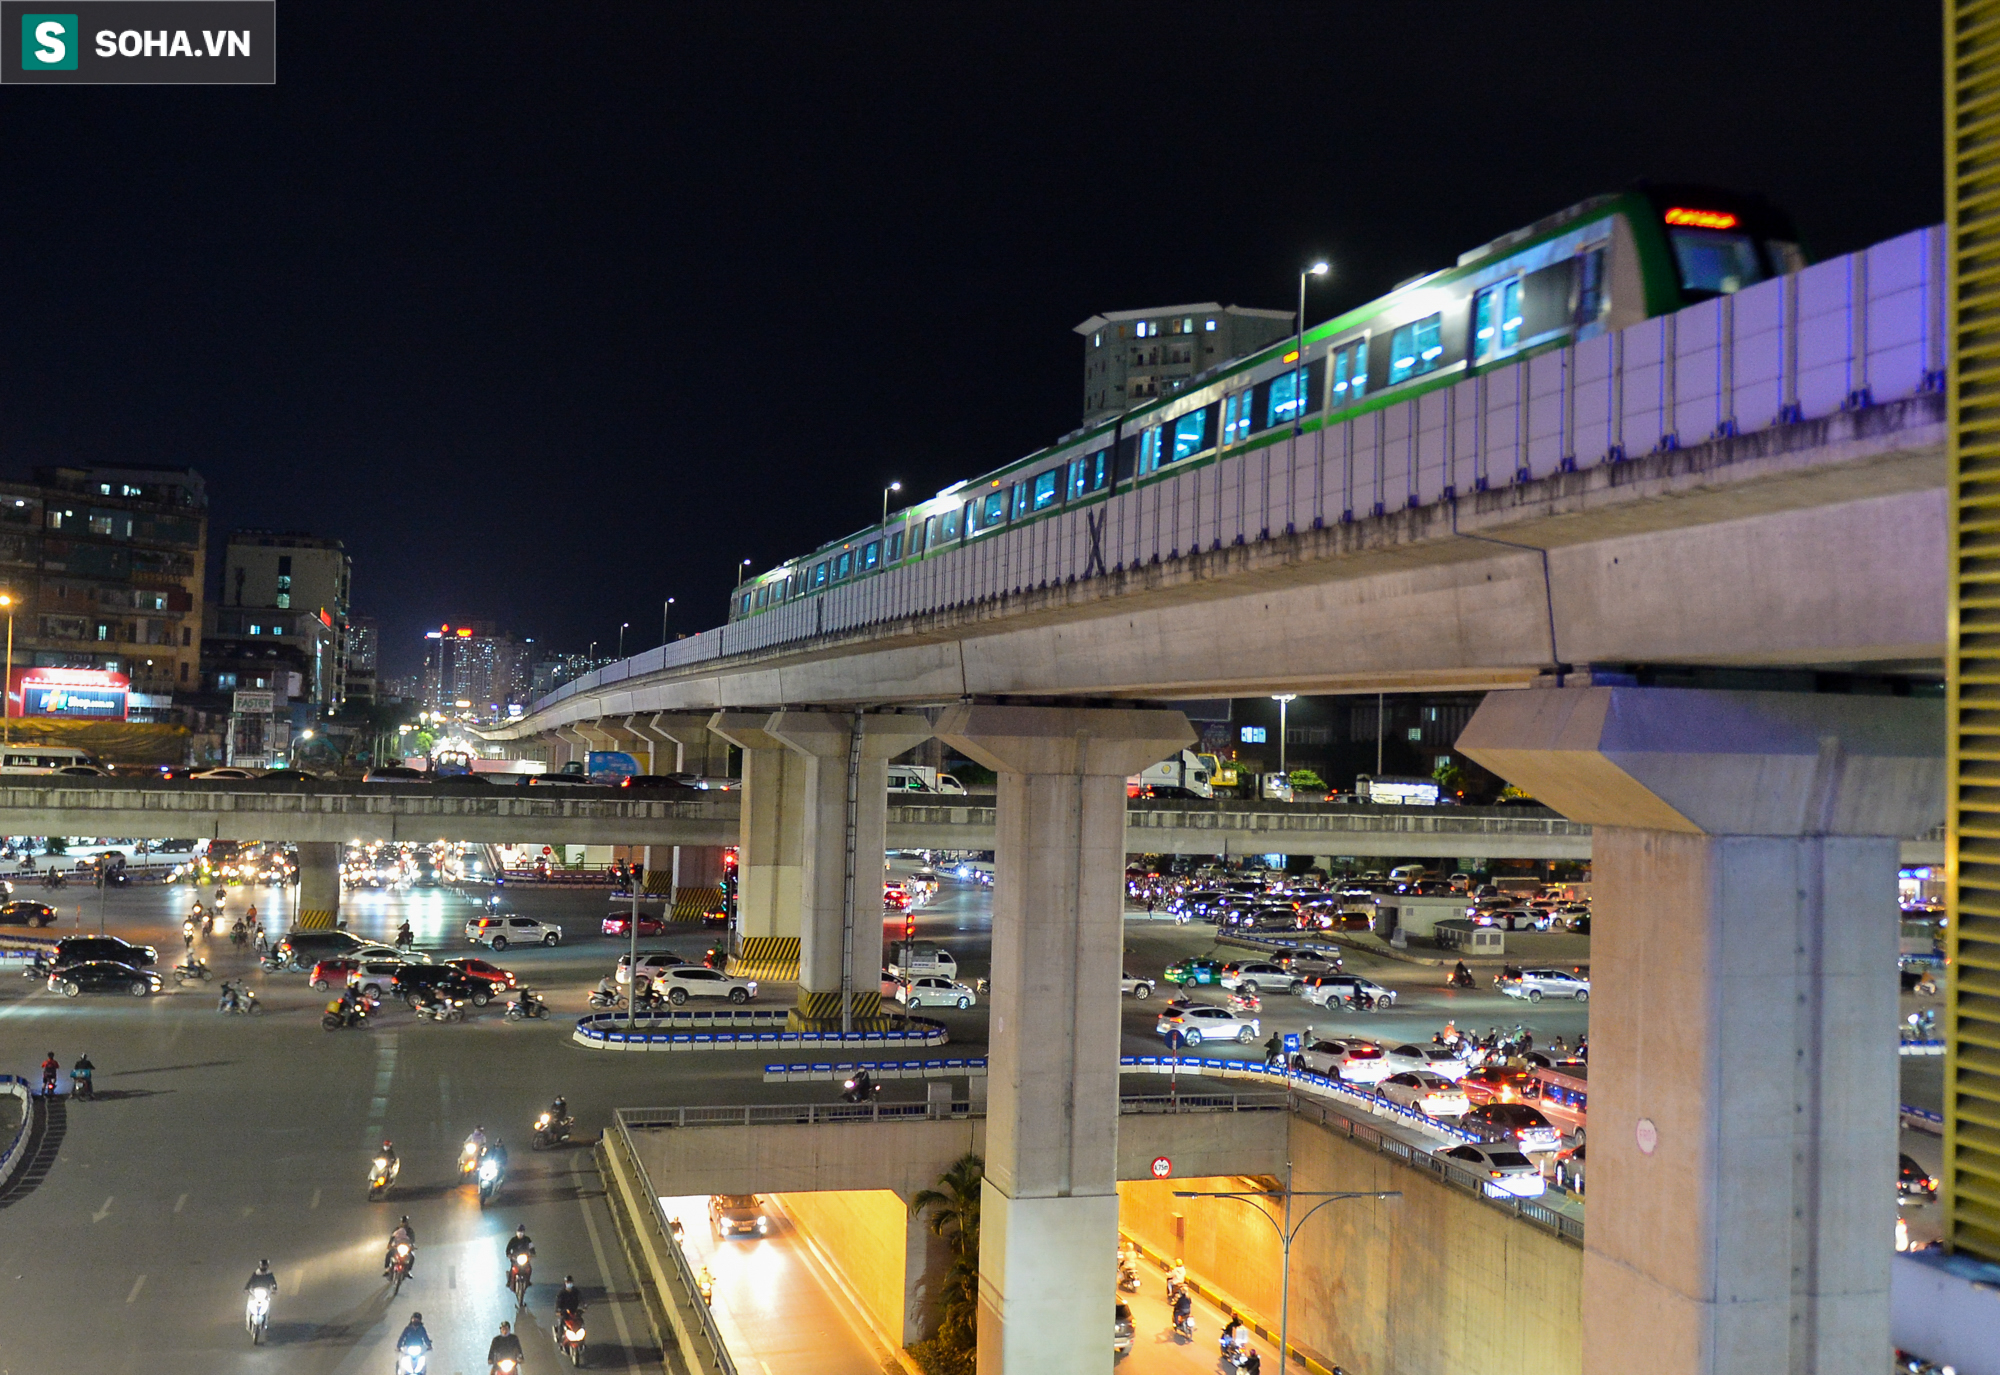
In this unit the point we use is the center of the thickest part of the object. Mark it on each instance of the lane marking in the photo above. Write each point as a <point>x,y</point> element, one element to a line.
<point>604,1272</point>
<point>137,1285</point>
<point>315,1202</point>
<point>180,1202</point>
<point>103,1212</point>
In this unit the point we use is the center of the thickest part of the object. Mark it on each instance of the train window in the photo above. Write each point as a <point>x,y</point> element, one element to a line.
<point>1590,298</point>
<point>819,577</point>
<point>1022,500</point>
<point>1045,488</point>
<point>950,530</point>
<point>1087,474</point>
<point>763,597</point>
<point>1284,403</point>
<point>992,512</point>
<point>1414,349</point>
<point>1236,418</point>
<point>843,565</point>
<point>895,548</point>
<point>1714,264</point>
<point>1496,321</point>
<point>1149,450</point>
<point>1350,372</point>
<point>1190,435</point>
<point>871,555</point>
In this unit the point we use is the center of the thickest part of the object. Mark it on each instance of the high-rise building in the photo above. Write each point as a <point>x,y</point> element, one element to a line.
<point>363,641</point>
<point>1131,356</point>
<point>472,668</point>
<point>102,568</point>
<point>293,587</point>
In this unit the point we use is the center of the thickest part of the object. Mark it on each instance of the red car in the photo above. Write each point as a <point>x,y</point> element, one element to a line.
<point>621,925</point>
<point>477,970</point>
<point>895,897</point>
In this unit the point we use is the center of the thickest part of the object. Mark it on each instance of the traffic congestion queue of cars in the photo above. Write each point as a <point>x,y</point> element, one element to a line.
<point>1270,900</point>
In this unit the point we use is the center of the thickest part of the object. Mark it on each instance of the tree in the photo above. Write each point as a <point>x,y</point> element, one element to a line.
<point>1307,779</point>
<point>1449,777</point>
<point>954,1215</point>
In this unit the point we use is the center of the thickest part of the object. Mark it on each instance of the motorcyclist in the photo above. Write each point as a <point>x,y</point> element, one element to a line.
<point>497,1153</point>
<point>559,1110</point>
<point>517,1245</point>
<point>863,1086</point>
<point>607,989</point>
<point>1232,1334</point>
<point>504,1347</point>
<point>1274,1049</point>
<point>404,936</point>
<point>1184,1311</point>
<point>50,1069</point>
<point>414,1334</point>
<point>569,1303</point>
<point>226,999</point>
<point>387,1156</point>
<point>1460,975</point>
<point>404,1235</point>
<point>262,1278</point>
<point>1177,1276</point>
<point>79,1076</point>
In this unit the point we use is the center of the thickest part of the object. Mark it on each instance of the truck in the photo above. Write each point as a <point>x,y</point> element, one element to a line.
<point>910,959</point>
<point>921,778</point>
<point>1183,774</point>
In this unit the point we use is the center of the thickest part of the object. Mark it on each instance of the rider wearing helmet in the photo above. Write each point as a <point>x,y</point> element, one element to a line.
<point>414,1335</point>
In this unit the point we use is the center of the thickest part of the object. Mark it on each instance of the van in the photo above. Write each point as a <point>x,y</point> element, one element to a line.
<point>1406,873</point>
<point>909,960</point>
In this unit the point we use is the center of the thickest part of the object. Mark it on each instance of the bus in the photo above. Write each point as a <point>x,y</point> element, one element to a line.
<point>40,758</point>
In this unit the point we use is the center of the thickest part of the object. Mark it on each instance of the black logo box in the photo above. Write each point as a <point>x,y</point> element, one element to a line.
<point>259,18</point>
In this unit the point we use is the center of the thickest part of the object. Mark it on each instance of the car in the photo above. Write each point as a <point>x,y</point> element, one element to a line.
<point>652,963</point>
<point>620,924</point>
<point>1509,1174</point>
<point>1356,1062</point>
<point>304,948</point>
<point>1431,1094</point>
<point>1199,1022</point>
<point>28,913</point>
<point>1330,990</point>
<point>501,932</point>
<point>1307,963</point>
<point>474,970</point>
<point>83,771</point>
<point>931,990</point>
<point>1506,918</point>
<point>87,949</point>
<point>685,981</point>
<point>665,784</point>
<point>1200,970</point>
<point>374,968</point>
<point>1136,986</point>
<point>1517,1123</point>
<point>1498,1084</point>
<point>564,780</point>
<point>394,773</point>
<point>103,976</point>
<point>1537,984</point>
<point>895,897</point>
<point>1426,1059</point>
<point>732,1215</point>
<point>1257,976</point>
<point>413,979</point>
<point>227,774</point>
<point>1913,1182</point>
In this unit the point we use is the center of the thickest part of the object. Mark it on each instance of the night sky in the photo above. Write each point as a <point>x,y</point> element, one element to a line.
<point>551,312</point>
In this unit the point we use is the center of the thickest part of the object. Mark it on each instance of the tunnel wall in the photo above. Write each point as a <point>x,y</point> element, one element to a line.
<point>867,1234</point>
<point>1433,1283</point>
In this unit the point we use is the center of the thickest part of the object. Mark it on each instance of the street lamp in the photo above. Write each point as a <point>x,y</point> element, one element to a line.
<point>665,607</point>
<point>1298,373</point>
<point>892,487</point>
<point>1284,701</point>
<point>740,569</point>
<point>1287,1233</point>
<point>623,627</point>
<point>6,702</point>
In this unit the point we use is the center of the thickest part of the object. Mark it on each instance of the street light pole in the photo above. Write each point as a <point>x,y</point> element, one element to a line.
<point>623,627</point>
<point>739,571</point>
<point>1299,373</point>
<point>7,701</point>
<point>892,487</point>
<point>1284,700</point>
<point>1287,1233</point>
<point>665,607</point>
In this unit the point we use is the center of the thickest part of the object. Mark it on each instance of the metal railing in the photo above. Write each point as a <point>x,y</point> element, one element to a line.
<point>10,1159</point>
<point>715,1360</point>
<point>779,1114</point>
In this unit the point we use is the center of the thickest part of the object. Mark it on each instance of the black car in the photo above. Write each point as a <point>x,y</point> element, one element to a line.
<point>104,976</point>
<point>84,949</point>
<point>307,948</point>
<point>27,913</point>
<point>660,785</point>
<point>1913,1182</point>
<point>409,980</point>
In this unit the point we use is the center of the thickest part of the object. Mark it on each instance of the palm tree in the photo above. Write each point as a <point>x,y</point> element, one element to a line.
<point>954,1214</point>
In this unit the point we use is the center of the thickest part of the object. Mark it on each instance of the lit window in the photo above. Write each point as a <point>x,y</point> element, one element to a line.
<point>1190,435</point>
<point>843,566</point>
<point>1045,488</point>
<point>1236,418</point>
<point>1209,325</point>
<point>1187,326</point>
<point>256,630</point>
<point>284,600</point>
<point>222,680</point>
<point>1149,450</point>
<point>1097,339</point>
<point>871,555</point>
<point>1284,403</point>
<point>1414,349</point>
<point>895,547</point>
<point>1350,372</point>
<point>819,577</point>
<point>104,487</point>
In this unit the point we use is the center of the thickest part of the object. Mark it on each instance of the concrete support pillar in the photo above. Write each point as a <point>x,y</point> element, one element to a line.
<point>825,743</point>
<point>769,861</point>
<point>1049,1212</point>
<point>1743,1053</point>
<point>319,885</point>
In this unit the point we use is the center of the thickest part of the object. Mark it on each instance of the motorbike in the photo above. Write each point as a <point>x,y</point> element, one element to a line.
<point>273,962</point>
<point>412,1360</point>
<point>520,1275</point>
<point>257,1314</point>
<point>859,1089</point>
<point>1184,1326</point>
<point>1459,979</point>
<point>601,1000</point>
<point>468,1159</point>
<point>679,1232</point>
<point>382,1173</point>
<point>1246,1002</point>
<point>237,935</point>
<point>55,880</point>
<point>79,1084</point>
<point>568,1334</point>
<point>441,1009</point>
<point>399,1266</point>
<point>48,1083</point>
<point>1128,1277</point>
<point>550,1132</point>
<point>527,1005</point>
<point>39,967</point>
<point>705,1282</point>
<point>238,1000</point>
<point>192,971</point>
<point>490,1178</point>
<point>506,1365</point>
<point>337,1017</point>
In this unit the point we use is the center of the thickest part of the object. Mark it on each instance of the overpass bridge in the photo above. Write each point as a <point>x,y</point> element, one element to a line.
<point>1756,483</point>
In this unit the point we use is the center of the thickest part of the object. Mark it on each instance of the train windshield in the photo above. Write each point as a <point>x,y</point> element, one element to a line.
<point>1713,263</point>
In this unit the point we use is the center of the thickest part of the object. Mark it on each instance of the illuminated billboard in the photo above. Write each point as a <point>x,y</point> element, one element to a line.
<point>85,692</point>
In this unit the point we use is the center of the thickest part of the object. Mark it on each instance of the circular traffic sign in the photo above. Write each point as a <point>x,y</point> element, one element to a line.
<point>1162,1167</point>
<point>1648,1136</point>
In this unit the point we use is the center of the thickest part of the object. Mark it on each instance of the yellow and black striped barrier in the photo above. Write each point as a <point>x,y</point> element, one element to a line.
<point>692,904</point>
<point>315,921</point>
<point>820,1009</point>
<point>768,959</point>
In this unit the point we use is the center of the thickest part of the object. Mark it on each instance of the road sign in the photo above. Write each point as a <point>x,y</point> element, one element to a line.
<point>1292,1043</point>
<point>1162,1167</point>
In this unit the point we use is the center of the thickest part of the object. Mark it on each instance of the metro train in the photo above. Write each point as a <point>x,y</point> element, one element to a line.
<point>1600,265</point>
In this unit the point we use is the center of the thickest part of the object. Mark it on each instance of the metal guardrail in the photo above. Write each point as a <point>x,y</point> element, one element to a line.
<point>10,1159</point>
<point>702,1347</point>
<point>823,1114</point>
<point>607,1031</point>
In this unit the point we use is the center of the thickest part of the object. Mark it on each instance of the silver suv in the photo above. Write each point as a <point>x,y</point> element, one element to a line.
<point>501,932</point>
<point>1537,984</point>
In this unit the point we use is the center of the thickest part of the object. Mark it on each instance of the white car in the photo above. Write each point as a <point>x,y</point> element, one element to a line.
<point>931,990</point>
<point>1509,1174</point>
<point>1357,1062</point>
<point>1200,1022</point>
<point>1136,985</point>
<point>1418,1059</point>
<point>1257,976</point>
<point>652,963</point>
<point>1330,989</point>
<point>501,932</point>
<point>1432,1094</point>
<point>1537,984</point>
<point>686,981</point>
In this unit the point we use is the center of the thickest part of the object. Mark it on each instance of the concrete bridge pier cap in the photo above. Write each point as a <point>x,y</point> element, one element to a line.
<point>1049,1211</point>
<point>1744,999</point>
